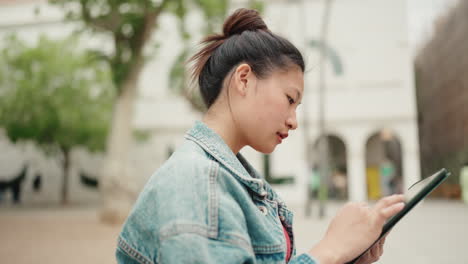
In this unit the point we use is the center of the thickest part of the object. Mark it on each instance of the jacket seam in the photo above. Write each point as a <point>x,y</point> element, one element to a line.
<point>213,201</point>
<point>239,241</point>
<point>269,249</point>
<point>130,251</point>
<point>179,228</point>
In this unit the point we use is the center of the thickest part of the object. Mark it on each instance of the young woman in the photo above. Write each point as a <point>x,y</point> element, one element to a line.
<point>207,204</point>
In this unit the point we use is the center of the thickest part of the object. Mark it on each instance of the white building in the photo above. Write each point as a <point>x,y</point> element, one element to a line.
<point>375,92</point>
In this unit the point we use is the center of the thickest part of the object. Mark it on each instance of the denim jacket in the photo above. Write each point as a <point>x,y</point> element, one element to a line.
<point>207,205</point>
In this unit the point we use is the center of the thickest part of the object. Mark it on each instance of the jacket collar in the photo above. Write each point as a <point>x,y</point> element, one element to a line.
<point>213,144</point>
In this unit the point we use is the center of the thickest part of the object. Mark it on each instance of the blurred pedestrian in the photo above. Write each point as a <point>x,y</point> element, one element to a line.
<point>313,189</point>
<point>207,204</point>
<point>387,177</point>
<point>340,183</point>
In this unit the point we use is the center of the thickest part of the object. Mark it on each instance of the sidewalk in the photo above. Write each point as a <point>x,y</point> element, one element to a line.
<point>55,236</point>
<point>435,232</point>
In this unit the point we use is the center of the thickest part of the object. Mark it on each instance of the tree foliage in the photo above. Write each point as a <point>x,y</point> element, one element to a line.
<point>128,23</point>
<point>53,95</point>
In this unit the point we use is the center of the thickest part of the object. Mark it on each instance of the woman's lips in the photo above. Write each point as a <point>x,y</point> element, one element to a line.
<point>280,139</point>
<point>281,136</point>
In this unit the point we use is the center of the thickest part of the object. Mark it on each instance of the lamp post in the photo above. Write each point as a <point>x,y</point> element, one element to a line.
<point>323,148</point>
<point>323,139</point>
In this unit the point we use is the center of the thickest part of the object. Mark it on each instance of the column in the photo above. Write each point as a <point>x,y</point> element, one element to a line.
<point>411,165</point>
<point>357,186</point>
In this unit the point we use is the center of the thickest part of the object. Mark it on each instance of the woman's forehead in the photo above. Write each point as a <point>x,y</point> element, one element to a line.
<point>291,78</point>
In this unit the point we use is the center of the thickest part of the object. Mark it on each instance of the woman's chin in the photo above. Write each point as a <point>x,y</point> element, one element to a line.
<point>265,149</point>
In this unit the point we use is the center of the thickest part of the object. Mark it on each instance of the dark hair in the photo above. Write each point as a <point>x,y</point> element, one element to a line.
<point>245,38</point>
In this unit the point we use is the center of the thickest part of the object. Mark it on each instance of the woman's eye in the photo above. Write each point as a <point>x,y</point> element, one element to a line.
<point>291,101</point>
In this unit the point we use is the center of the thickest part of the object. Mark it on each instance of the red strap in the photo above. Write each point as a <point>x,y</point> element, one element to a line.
<point>288,244</point>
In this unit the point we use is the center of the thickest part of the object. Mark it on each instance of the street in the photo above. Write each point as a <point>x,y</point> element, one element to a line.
<point>434,232</point>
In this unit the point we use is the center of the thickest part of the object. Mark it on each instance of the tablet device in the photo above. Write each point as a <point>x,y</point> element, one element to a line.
<point>417,192</point>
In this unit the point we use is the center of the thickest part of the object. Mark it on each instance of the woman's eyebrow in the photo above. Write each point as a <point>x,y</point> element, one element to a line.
<point>298,94</point>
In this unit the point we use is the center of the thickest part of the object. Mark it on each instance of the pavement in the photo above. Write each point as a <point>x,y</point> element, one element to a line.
<point>434,232</point>
<point>55,235</point>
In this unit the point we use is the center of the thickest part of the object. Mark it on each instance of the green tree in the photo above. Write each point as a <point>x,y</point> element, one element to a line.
<point>55,96</point>
<point>130,24</point>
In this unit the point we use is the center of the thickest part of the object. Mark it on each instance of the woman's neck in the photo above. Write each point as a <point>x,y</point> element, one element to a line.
<point>224,126</point>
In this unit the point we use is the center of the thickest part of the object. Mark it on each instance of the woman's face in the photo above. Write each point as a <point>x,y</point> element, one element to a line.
<point>268,112</point>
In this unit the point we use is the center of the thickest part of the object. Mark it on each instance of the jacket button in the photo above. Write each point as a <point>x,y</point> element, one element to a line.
<point>263,209</point>
<point>282,218</point>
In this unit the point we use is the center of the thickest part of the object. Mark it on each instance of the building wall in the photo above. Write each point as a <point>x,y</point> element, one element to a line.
<point>376,89</point>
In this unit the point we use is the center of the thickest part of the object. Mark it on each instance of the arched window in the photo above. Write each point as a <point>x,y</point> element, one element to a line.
<point>336,176</point>
<point>383,164</point>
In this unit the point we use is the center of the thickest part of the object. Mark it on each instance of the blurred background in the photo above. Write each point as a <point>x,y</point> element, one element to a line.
<point>95,96</point>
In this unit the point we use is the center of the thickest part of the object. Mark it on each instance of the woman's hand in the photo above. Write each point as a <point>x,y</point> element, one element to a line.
<point>374,254</point>
<point>355,227</point>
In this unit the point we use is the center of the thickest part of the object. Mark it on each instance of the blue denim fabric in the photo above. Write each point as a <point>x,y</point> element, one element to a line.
<point>207,205</point>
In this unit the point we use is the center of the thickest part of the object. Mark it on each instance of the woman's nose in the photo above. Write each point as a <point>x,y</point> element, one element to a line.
<point>291,122</point>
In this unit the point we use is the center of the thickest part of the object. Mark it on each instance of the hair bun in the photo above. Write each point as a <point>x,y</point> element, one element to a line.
<point>243,20</point>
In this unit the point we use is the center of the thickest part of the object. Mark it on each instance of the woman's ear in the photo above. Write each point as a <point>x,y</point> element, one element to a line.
<point>244,78</point>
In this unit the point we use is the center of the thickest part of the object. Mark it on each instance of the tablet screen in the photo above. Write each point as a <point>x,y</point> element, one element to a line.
<point>414,195</point>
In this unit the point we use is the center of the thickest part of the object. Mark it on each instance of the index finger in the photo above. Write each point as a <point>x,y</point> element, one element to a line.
<point>389,201</point>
